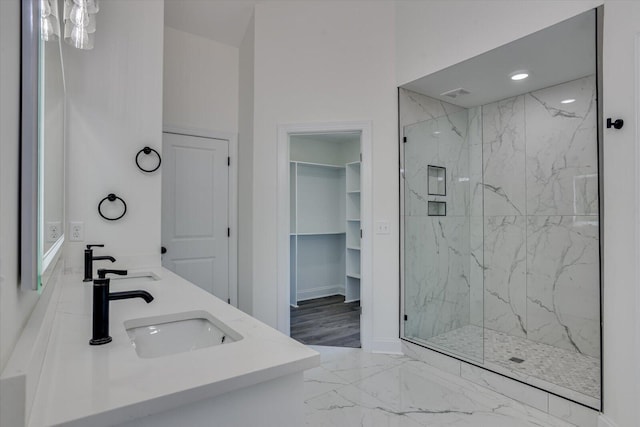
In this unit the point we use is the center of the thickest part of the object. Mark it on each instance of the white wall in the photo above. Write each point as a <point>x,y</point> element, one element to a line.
<point>245,170</point>
<point>200,82</point>
<point>115,109</point>
<point>15,305</point>
<point>436,34</point>
<point>326,62</point>
<point>621,26</point>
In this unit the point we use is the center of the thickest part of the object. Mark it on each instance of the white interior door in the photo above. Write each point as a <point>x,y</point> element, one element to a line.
<point>195,210</point>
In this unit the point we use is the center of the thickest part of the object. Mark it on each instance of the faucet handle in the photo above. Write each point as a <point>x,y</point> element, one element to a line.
<point>102,272</point>
<point>95,246</point>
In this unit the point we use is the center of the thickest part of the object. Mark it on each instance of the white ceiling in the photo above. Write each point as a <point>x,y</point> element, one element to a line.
<point>560,53</point>
<point>224,21</point>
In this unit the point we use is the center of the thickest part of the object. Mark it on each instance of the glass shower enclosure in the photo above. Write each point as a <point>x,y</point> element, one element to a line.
<point>500,213</point>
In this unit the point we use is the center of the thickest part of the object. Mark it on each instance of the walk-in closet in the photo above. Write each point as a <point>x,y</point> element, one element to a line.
<point>325,239</point>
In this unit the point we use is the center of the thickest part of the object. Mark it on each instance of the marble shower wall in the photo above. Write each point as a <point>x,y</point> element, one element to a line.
<point>437,248</point>
<point>541,245</point>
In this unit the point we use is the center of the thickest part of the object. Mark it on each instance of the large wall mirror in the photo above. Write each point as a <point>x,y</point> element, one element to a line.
<point>42,142</point>
<point>501,265</point>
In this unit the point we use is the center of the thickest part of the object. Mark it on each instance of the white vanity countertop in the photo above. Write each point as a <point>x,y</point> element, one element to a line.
<point>84,385</point>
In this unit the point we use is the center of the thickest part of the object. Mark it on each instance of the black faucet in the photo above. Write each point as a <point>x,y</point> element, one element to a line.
<point>88,261</point>
<point>101,298</point>
<point>102,272</point>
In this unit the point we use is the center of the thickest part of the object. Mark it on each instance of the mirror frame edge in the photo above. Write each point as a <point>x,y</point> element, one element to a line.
<point>30,31</point>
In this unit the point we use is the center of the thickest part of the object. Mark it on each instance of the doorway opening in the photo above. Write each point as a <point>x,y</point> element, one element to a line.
<point>325,238</point>
<point>324,216</point>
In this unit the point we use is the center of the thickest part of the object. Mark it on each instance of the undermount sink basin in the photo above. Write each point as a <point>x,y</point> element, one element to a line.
<point>177,333</point>
<point>136,277</point>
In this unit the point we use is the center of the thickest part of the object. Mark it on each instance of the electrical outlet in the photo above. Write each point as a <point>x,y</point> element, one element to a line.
<point>76,231</point>
<point>54,231</point>
<point>383,227</point>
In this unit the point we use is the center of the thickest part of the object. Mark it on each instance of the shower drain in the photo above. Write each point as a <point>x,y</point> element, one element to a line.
<point>516,359</point>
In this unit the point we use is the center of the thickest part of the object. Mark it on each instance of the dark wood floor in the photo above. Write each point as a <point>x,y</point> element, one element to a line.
<point>326,321</point>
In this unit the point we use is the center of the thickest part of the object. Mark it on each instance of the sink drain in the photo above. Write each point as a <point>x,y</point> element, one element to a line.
<point>516,359</point>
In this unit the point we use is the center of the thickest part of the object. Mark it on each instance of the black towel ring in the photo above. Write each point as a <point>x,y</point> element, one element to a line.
<point>148,150</point>
<point>112,198</point>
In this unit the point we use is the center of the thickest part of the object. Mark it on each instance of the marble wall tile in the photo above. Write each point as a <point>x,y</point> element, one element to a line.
<point>475,125</point>
<point>420,150</point>
<point>503,133</point>
<point>504,276</point>
<point>476,271</point>
<point>517,170</point>
<point>437,142</point>
<point>474,141</point>
<point>561,168</point>
<point>453,153</point>
<point>415,107</point>
<point>436,275</point>
<point>476,188</point>
<point>563,292</point>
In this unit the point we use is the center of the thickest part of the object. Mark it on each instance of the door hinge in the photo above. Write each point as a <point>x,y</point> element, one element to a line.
<point>406,317</point>
<point>404,139</point>
<point>361,233</point>
<point>228,161</point>
<point>228,300</point>
<point>361,157</point>
<point>228,232</point>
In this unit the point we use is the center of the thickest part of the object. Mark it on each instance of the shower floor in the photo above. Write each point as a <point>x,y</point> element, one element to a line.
<point>555,366</point>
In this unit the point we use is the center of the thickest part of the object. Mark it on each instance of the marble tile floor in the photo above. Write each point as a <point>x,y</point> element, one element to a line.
<point>564,368</point>
<point>354,388</point>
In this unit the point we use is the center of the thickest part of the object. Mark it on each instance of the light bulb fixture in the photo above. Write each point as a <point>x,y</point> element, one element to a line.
<point>519,75</point>
<point>567,101</point>
<point>80,22</point>
<point>49,25</point>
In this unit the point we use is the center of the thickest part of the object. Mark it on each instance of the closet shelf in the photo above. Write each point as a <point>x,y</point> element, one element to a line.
<point>319,233</point>
<point>353,201</point>
<point>322,165</point>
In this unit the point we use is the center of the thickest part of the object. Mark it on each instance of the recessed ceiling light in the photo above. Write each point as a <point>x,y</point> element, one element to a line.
<point>519,75</point>
<point>436,132</point>
<point>567,101</point>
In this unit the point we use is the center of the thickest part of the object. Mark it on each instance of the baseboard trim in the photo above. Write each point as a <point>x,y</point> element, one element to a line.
<point>320,292</point>
<point>386,345</point>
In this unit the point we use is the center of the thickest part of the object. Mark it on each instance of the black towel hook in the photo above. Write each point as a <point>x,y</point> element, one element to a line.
<point>148,150</point>
<point>112,198</point>
<point>616,124</point>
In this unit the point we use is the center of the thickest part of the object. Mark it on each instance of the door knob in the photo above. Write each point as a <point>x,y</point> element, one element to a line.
<point>163,250</point>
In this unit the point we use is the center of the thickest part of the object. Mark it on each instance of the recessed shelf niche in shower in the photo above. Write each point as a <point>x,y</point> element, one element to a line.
<point>437,180</point>
<point>435,208</point>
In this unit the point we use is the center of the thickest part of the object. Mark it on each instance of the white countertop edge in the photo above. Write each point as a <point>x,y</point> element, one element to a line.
<point>167,402</point>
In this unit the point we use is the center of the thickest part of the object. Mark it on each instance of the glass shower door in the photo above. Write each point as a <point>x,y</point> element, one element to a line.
<point>443,231</point>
